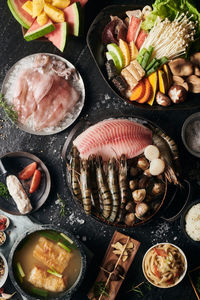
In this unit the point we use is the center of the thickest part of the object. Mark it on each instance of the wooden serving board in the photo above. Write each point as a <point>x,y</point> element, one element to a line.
<point>115,261</point>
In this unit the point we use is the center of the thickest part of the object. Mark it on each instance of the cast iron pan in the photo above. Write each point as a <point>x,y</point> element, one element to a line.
<point>64,295</point>
<point>97,49</point>
<point>14,162</point>
<point>171,192</point>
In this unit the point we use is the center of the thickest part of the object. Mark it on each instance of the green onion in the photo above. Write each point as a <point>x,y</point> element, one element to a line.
<point>39,292</point>
<point>4,191</point>
<point>66,238</point>
<point>150,50</point>
<point>154,68</point>
<point>50,235</point>
<point>151,64</point>
<point>53,272</point>
<point>163,60</point>
<point>64,247</point>
<point>20,270</point>
<point>145,59</point>
<point>141,55</point>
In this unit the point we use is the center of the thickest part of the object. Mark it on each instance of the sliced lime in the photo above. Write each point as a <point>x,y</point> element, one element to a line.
<point>112,56</point>
<point>118,52</point>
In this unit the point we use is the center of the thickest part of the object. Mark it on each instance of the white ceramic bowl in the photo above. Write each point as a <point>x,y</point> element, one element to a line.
<point>181,277</point>
<point>5,275</point>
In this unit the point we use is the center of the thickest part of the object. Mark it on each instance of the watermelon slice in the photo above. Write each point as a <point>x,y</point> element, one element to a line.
<point>73,17</point>
<point>36,31</point>
<point>82,2</point>
<point>141,38</point>
<point>133,29</point>
<point>59,36</point>
<point>19,13</point>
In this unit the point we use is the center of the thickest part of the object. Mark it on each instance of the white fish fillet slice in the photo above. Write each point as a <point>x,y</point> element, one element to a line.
<point>112,138</point>
<point>18,194</point>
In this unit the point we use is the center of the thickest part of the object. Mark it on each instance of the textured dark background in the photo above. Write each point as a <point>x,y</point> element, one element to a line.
<point>100,101</point>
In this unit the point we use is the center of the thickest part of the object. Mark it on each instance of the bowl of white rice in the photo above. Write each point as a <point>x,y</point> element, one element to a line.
<point>190,222</point>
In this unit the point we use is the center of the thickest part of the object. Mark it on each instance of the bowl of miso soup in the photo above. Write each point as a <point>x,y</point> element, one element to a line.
<point>47,263</point>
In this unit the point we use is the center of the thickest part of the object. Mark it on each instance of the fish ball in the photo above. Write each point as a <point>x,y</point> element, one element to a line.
<point>151,152</point>
<point>157,166</point>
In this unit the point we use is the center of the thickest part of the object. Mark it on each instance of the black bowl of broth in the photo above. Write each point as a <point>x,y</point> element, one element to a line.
<point>47,263</point>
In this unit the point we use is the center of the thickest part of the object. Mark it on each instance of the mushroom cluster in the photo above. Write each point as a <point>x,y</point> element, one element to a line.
<point>185,77</point>
<point>146,184</point>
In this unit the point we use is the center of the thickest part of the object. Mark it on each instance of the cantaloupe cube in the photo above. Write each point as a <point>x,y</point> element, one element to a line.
<point>42,19</point>
<point>28,7</point>
<point>38,6</point>
<point>61,3</point>
<point>54,13</point>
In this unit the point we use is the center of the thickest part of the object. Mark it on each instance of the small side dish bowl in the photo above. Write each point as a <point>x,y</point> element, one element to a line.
<point>4,222</point>
<point>26,270</point>
<point>2,238</point>
<point>191,134</point>
<point>165,251</point>
<point>4,264</point>
<point>183,222</point>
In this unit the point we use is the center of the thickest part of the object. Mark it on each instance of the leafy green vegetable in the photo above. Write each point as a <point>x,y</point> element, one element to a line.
<point>169,9</point>
<point>9,110</point>
<point>4,191</point>
<point>100,289</point>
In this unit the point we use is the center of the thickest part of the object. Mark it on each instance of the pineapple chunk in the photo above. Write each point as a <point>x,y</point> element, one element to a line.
<point>28,7</point>
<point>42,19</point>
<point>48,1</point>
<point>38,6</point>
<point>60,3</point>
<point>54,13</point>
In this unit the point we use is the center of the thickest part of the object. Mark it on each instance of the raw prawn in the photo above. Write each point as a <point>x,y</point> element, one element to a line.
<point>85,188</point>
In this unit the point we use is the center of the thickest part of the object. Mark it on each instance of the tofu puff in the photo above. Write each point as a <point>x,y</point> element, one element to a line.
<point>41,279</point>
<point>51,255</point>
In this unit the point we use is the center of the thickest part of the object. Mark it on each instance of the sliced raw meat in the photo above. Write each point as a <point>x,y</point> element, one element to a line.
<point>56,104</point>
<point>112,138</point>
<point>116,29</point>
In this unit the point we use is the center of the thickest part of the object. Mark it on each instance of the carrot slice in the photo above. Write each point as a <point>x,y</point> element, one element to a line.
<point>160,252</point>
<point>138,91</point>
<point>35,181</point>
<point>125,50</point>
<point>156,272</point>
<point>28,171</point>
<point>148,91</point>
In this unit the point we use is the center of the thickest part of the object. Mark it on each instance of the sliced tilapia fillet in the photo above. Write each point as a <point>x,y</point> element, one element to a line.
<point>112,138</point>
<point>43,280</point>
<point>51,255</point>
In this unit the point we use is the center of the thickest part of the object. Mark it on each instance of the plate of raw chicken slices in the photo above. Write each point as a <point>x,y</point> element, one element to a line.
<point>45,92</point>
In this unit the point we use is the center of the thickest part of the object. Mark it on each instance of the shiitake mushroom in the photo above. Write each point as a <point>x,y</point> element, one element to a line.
<point>133,184</point>
<point>130,206</point>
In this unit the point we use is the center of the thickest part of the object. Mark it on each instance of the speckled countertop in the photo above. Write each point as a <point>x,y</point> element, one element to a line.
<point>100,101</point>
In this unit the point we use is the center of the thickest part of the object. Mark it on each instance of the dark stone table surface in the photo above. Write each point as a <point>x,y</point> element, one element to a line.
<point>100,100</point>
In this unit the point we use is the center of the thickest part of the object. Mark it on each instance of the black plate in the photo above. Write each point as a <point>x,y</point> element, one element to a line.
<point>14,162</point>
<point>97,49</point>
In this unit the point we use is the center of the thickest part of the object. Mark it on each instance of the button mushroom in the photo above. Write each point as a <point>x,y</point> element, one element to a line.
<point>143,163</point>
<point>181,67</point>
<point>162,99</point>
<point>139,195</point>
<point>130,219</point>
<point>141,210</point>
<point>133,184</point>
<point>194,84</point>
<point>158,189</point>
<point>177,93</point>
<point>130,206</point>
